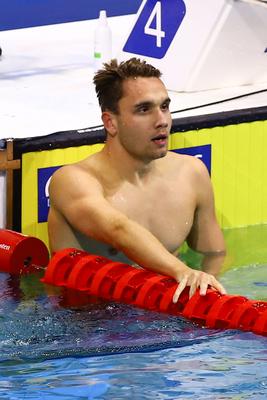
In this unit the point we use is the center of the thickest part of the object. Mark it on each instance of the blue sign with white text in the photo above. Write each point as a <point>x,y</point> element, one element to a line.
<point>202,152</point>
<point>44,176</point>
<point>156,28</point>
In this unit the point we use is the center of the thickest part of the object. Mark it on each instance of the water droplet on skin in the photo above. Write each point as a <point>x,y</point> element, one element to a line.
<point>122,198</point>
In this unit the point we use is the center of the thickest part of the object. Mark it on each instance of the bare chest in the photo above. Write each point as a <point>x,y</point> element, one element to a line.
<point>167,211</point>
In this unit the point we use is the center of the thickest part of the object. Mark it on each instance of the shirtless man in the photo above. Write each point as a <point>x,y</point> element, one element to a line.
<point>135,200</point>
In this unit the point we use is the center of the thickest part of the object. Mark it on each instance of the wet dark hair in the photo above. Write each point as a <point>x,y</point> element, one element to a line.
<point>109,80</point>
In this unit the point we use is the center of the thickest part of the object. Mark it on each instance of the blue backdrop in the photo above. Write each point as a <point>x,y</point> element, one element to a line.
<point>16,14</point>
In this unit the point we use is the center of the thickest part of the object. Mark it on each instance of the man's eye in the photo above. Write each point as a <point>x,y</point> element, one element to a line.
<point>143,109</point>
<point>165,106</point>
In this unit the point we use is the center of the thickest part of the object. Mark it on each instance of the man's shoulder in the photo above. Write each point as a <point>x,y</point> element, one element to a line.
<point>183,160</point>
<point>189,166</point>
<point>75,177</point>
<point>83,167</point>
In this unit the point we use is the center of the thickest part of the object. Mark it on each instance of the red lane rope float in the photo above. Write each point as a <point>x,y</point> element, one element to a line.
<point>21,254</point>
<point>99,276</point>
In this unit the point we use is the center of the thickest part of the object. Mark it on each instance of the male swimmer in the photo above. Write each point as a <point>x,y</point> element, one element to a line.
<point>135,200</point>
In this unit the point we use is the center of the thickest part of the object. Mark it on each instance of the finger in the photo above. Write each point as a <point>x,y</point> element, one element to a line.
<point>218,286</point>
<point>203,288</point>
<point>179,290</point>
<point>193,288</point>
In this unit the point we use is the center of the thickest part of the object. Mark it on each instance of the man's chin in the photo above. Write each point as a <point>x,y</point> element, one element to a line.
<point>155,155</point>
<point>161,153</point>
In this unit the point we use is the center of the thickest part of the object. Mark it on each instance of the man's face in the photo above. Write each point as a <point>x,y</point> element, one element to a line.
<point>144,121</point>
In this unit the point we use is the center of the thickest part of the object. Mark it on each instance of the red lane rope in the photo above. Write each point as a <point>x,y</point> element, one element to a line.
<point>123,282</point>
<point>116,281</point>
<point>142,297</point>
<point>79,276</point>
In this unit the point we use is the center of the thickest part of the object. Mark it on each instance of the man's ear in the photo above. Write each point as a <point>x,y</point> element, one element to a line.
<point>110,123</point>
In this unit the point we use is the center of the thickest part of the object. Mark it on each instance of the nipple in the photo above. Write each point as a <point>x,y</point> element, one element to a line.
<point>112,251</point>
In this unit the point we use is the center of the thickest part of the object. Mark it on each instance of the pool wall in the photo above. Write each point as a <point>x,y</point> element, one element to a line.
<point>233,145</point>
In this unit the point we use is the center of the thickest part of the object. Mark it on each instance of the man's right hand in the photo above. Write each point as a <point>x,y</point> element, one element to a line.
<point>196,280</point>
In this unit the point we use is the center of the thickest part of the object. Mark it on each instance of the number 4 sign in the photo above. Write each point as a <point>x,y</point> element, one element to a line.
<point>156,27</point>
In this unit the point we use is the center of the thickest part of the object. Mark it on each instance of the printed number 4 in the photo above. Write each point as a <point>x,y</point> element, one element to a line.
<point>157,32</point>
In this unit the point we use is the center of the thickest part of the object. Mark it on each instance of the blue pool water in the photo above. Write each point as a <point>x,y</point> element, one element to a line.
<point>50,350</point>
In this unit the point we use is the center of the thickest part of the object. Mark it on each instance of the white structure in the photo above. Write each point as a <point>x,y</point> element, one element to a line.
<point>201,45</point>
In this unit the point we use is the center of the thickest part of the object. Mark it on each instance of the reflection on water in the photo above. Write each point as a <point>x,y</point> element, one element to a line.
<point>249,281</point>
<point>98,350</point>
<point>51,330</point>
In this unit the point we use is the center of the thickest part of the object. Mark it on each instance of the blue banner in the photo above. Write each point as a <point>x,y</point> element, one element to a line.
<point>44,176</point>
<point>202,152</point>
<point>16,14</point>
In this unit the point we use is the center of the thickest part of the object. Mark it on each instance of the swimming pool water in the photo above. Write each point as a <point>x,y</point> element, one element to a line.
<point>49,350</point>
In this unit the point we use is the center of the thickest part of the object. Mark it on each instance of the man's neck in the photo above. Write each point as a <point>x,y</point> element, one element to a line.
<point>127,167</point>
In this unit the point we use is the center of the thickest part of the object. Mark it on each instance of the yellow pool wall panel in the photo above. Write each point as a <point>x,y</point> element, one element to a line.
<point>238,170</point>
<point>31,162</point>
<point>238,173</point>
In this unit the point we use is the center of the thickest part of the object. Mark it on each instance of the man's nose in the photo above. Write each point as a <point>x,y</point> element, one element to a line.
<point>161,118</point>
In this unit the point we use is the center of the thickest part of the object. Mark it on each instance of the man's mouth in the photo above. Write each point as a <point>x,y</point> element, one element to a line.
<point>160,139</point>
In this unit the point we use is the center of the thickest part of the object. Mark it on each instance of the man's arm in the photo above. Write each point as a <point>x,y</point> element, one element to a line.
<point>80,199</point>
<point>206,236</point>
